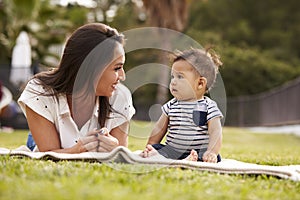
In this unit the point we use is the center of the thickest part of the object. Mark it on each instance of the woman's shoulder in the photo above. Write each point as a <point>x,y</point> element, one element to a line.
<point>35,89</point>
<point>35,86</point>
<point>39,98</point>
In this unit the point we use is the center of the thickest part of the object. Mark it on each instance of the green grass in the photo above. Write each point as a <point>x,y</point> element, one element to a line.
<point>23,178</point>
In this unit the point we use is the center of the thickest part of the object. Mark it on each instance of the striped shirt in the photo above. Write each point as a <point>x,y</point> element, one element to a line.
<point>184,135</point>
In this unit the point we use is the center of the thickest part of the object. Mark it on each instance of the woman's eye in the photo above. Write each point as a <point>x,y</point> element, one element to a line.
<point>117,68</point>
<point>179,76</point>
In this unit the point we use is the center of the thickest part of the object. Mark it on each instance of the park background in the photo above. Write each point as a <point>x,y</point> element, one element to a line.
<point>257,41</point>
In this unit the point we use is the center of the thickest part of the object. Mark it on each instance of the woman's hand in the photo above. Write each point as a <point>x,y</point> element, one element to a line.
<point>106,141</point>
<point>97,141</point>
<point>88,143</point>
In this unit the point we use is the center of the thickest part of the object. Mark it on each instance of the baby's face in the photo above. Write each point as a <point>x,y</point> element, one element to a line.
<point>184,82</point>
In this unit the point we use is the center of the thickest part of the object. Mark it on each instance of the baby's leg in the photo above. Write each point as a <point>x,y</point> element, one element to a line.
<point>149,151</point>
<point>193,156</point>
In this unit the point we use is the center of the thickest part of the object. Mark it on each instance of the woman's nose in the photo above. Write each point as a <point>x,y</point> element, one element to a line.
<point>122,75</point>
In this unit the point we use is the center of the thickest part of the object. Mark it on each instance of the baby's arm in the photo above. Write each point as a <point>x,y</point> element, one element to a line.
<point>159,130</point>
<point>215,140</point>
<point>157,134</point>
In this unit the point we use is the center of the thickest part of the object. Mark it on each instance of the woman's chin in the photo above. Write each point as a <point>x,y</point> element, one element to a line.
<point>109,94</point>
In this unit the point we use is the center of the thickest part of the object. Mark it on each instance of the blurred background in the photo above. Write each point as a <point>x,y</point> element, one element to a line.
<point>258,42</point>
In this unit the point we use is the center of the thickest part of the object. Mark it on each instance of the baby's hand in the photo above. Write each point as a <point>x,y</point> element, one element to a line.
<point>209,156</point>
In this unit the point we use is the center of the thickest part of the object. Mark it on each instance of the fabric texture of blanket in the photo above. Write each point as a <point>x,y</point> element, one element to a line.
<point>124,155</point>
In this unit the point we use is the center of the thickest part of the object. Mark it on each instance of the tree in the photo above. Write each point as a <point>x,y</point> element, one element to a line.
<point>257,41</point>
<point>46,24</point>
<point>52,27</point>
<point>105,10</point>
<point>171,14</point>
<point>15,15</point>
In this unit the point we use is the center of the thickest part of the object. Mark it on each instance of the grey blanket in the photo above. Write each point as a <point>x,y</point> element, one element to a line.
<point>124,155</point>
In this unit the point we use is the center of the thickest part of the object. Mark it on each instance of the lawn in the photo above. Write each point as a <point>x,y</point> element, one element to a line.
<point>22,178</point>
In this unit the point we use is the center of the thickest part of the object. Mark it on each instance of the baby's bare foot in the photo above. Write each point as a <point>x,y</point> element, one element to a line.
<point>149,151</point>
<point>193,156</point>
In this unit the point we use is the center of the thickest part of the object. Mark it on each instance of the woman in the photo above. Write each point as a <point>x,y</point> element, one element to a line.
<point>66,107</point>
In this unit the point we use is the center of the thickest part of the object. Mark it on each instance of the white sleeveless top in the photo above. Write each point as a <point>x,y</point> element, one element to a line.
<point>57,111</point>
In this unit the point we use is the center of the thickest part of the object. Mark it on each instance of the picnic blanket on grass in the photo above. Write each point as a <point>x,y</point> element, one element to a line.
<point>124,155</point>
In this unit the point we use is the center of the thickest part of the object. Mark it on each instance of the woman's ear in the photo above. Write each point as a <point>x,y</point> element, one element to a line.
<point>202,82</point>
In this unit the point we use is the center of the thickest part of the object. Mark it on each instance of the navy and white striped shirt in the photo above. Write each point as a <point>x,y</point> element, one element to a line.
<point>184,135</point>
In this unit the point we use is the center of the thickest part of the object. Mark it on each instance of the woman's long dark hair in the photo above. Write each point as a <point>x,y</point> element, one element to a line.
<point>87,52</point>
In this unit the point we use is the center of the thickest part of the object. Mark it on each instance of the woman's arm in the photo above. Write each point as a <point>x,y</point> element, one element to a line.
<point>159,130</point>
<point>47,138</point>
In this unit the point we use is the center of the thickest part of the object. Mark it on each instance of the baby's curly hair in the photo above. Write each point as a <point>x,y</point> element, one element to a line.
<point>205,61</point>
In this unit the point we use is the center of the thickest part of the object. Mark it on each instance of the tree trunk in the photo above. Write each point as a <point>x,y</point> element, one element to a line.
<point>171,14</point>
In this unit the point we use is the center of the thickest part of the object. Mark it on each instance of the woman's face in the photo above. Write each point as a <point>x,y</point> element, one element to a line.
<point>112,74</point>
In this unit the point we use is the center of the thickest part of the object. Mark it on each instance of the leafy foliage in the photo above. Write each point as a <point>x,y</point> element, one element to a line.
<point>47,25</point>
<point>250,71</point>
<point>256,40</point>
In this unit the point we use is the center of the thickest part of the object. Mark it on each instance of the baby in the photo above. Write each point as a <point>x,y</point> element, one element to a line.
<point>192,120</point>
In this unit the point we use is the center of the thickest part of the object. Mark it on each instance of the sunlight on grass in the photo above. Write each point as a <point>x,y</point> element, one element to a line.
<point>42,179</point>
<point>138,134</point>
<point>273,149</point>
<point>13,140</point>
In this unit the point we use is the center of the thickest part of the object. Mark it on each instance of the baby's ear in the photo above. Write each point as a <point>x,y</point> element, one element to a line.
<point>202,82</point>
